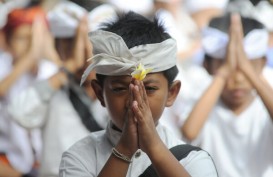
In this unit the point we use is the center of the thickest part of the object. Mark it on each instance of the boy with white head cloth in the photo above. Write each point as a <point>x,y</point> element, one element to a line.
<point>233,120</point>
<point>63,110</point>
<point>135,62</point>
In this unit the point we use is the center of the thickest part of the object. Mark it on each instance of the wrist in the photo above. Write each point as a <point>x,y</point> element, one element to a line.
<point>222,73</point>
<point>125,151</point>
<point>64,70</point>
<point>70,66</point>
<point>121,156</point>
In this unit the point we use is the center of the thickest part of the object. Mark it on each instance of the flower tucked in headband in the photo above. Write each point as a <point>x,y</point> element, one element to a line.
<point>140,72</point>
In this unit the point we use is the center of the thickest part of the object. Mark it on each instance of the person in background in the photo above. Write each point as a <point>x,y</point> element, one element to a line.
<point>64,111</point>
<point>233,118</point>
<point>22,63</point>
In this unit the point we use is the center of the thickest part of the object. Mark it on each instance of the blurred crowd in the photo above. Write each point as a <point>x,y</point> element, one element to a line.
<point>44,48</point>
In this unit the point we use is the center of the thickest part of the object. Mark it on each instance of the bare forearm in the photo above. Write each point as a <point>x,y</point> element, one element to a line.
<point>7,171</point>
<point>264,90</point>
<point>201,110</point>
<point>58,80</point>
<point>165,164</point>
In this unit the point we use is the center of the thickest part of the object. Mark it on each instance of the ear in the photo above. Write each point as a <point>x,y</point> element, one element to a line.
<point>98,91</point>
<point>173,92</point>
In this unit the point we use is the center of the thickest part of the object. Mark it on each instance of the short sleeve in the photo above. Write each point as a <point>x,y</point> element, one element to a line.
<point>200,164</point>
<point>71,166</point>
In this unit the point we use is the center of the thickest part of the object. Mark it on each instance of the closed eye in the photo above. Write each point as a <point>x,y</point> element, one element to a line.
<point>119,89</point>
<point>150,89</point>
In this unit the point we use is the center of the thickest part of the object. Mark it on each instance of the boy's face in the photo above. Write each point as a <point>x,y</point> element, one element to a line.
<point>115,96</point>
<point>238,89</point>
<point>19,41</point>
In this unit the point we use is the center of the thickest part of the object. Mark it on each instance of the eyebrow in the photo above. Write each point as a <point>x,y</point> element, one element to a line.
<point>127,82</point>
<point>120,81</point>
<point>151,81</point>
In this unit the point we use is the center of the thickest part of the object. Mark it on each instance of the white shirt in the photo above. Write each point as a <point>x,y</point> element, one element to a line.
<point>53,112</point>
<point>88,156</point>
<point>16,142</point>
<point>243,143</point>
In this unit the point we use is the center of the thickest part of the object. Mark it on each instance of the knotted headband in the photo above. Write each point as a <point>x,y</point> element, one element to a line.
<point>113,57</point>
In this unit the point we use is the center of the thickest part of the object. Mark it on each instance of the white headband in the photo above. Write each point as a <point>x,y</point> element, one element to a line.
<point>215,43</point>
<point>264,13</point>
<point>64,19</point>
<point>112,56</point>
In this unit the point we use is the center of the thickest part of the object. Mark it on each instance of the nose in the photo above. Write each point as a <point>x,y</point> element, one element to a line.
<point>239,77</point>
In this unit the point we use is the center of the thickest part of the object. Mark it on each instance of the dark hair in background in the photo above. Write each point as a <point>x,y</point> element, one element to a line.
<point>223,23</point>
<point>137,30</point>
<point>88,5</point>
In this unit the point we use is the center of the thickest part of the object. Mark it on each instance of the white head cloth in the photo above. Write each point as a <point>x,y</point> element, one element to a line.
<point>112,56</point>
<point>264,13</point>
<point>215,43</point>
<point>64,19</point>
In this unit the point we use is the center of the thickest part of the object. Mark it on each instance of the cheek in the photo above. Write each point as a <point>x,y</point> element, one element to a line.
<point>116,106</point>
<point>157,105</point>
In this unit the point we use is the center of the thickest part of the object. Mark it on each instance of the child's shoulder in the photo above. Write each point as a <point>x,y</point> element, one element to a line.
<point>87,144</point>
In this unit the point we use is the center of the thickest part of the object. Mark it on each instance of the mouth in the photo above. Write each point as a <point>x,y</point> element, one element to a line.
<point>238,93</point>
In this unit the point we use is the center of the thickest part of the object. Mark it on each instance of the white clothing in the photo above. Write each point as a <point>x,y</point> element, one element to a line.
<point>61,125</point>
<point>15,141</point>
<point>88,156</point>
<point>242,143</point>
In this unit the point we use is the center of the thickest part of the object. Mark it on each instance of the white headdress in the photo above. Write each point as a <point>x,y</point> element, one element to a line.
<point>64,19</point>
<point>113,57</point>
<point>264,13</point>
<point>215,43</point>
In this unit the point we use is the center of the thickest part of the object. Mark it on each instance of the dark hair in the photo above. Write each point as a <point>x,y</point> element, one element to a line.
<point>88,5</point>
<point>137,30</point>
<point>223,23</point>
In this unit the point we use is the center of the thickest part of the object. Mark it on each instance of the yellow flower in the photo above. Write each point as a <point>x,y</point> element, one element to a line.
<point>140,72</point>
